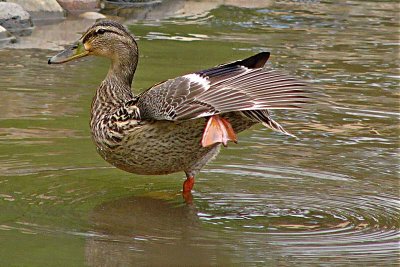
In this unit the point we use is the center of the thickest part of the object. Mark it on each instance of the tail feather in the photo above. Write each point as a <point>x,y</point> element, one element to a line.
<point>264,117</point>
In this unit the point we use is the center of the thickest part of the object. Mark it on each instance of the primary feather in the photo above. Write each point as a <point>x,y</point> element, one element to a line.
<point>238,86</point>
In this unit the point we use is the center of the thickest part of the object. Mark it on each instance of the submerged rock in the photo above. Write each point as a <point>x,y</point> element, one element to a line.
<point>54,36</point>
<point>92,15</point>
<point>15,19</point>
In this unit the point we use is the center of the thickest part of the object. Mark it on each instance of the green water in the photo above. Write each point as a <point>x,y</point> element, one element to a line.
<point>330,198</point>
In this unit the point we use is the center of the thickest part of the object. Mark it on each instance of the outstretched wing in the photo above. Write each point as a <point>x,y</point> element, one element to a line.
<point>237,86</point>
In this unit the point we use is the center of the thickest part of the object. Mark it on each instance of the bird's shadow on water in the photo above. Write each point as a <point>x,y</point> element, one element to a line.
<point>141,230</point>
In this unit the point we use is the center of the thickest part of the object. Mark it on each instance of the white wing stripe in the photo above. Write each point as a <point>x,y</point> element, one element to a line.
<point>195,78</point>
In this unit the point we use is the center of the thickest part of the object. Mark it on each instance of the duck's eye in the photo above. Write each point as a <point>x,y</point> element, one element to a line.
<point>100,31</point>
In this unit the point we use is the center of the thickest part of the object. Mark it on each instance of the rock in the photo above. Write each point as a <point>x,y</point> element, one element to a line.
<point>248,3</point>
<point>42,9</point>
<point>15,19</point>
<point>136,3</point>
<point>92,15</point>
<point>77,6</point>
<point>53,36</point>
<point>6,37</point>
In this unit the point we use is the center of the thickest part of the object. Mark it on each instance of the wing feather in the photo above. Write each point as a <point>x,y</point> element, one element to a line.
<point>238,86</point>
<point>264,117</point>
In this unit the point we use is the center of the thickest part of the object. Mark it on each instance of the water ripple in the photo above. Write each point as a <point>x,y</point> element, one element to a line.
<point>315,225</point>
<point>337,219</point>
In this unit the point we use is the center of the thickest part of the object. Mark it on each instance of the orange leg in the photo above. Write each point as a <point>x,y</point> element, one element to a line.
<point>188,184</point>
<point>187,189</point>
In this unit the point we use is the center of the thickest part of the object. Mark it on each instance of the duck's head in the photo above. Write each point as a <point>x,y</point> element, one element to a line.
<point>105,38</point>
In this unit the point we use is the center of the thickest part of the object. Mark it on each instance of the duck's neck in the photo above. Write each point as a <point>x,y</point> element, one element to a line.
<point>123,68</point>
<point>116,87</point>
<point>115,90</point>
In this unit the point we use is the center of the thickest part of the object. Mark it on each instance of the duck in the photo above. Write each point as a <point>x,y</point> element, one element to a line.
<point>180,124</point>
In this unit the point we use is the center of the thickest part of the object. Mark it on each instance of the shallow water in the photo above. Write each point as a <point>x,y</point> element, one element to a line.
<point>330,198</point>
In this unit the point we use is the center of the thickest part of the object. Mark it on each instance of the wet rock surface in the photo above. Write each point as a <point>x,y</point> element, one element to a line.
<point>6,37</point>
<point>15,19</point>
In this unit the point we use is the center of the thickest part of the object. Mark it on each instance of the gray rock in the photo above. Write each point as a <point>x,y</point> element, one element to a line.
<point>77,6</point>
<point>6,37</point>
<point>15,19</point>
<point>42,9</point>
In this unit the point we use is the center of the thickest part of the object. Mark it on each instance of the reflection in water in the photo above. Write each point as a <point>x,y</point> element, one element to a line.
<point>166,9</point>
<point>145,231</point>
<point>240,227</point>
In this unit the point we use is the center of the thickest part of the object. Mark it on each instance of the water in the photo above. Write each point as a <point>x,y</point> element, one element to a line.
<point>330,198</point>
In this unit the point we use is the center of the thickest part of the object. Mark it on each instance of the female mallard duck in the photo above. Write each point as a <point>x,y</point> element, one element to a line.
<point>179,124</point>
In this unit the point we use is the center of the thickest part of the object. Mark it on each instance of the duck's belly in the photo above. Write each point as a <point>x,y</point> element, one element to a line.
<point>164,147</point>
<point>160,147</point>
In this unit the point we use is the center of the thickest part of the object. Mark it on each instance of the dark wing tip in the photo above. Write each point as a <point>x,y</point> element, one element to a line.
<point>256,61</point>
<point>253,62</point>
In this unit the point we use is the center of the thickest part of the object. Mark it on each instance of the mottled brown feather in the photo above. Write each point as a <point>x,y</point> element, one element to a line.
<point>237,86</point>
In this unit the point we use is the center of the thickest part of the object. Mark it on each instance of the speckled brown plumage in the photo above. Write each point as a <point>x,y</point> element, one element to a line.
<point>160,130</point>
